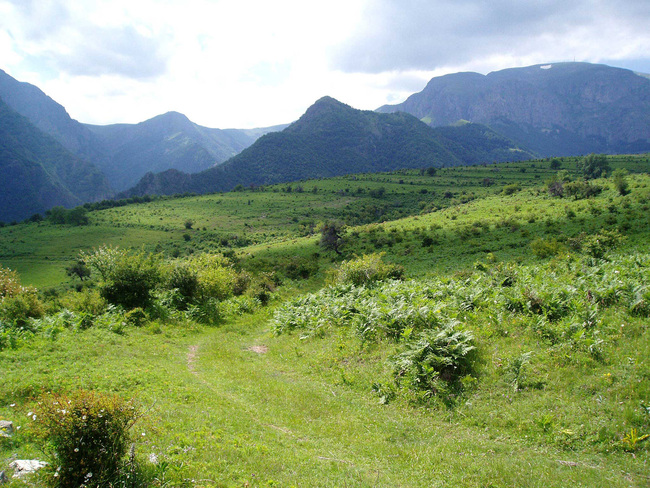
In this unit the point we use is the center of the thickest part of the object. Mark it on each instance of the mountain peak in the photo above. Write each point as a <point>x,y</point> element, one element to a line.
<point>327,103</point>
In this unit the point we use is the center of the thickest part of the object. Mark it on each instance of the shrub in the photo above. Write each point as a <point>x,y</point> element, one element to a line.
<point>511,189</point>
<point>581,189</point>
<point>87,301</point>
<point>127,279</point>
<point>216,278</point>
<point>436,360</point>
<point>18,309</point>
<point>543,248</point>
<point>185,280</point>
<point>593,166</point>
<point>86,435</point>
<point>366,270</point>
<point>9,283</point>
<point>78,269</point>
<point>132,279</point>
<point>598,244</point>
<point>331,239</point>
<point>619,178</point>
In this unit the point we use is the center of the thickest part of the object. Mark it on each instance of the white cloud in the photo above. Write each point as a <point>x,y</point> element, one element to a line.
<point>251,63</point>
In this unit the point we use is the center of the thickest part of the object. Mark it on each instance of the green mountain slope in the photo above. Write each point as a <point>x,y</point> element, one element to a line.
<point>125,152</point>
<point>331,139</point>
<point>38,173</point>
<point>168,141</point>
<point>51,118</point>
<point>554,109</point>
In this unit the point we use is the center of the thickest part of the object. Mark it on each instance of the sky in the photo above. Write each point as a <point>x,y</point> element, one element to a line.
<point>257,63</point>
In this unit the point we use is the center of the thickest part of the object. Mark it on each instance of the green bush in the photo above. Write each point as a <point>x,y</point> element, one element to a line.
<point>580,189</point>
<point>216,277</point>
<point>86,435</point>
<point>128,279</point>
<point>18,309</point>
<point>543,248</point>
<point>366,270</point>
<point>597,245</point>
<point>87,301</point>
<point>593,166</point>
<point>436,360</point>
<point>185,281</point>
<point>619,178</point>
<point>9,283</point>
<point>511,189</point>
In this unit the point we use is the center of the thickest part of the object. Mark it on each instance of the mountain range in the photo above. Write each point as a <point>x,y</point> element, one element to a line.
<point>332,139</point>
<point>558,109</point>
<point>47,158</point>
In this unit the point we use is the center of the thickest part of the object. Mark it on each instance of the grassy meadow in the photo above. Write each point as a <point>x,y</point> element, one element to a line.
<point>334,383</point>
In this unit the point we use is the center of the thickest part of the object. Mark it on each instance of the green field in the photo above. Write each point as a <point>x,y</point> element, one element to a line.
<point>553,292</point>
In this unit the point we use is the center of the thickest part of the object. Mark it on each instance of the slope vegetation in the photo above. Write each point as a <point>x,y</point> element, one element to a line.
<point>332,139</point>
<point>513,351</point>
<point>38,173</point>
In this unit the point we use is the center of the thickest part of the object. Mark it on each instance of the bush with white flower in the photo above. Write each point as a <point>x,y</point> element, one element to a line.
<point>86,435</point>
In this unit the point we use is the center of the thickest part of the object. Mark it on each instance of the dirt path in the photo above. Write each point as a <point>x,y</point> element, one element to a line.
<point>191,358</point>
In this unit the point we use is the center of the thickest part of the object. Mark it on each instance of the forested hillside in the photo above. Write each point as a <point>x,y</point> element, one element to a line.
<point>38,173</point>
<point>331,139</point>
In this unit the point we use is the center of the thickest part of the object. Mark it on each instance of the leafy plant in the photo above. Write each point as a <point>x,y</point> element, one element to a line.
<point>435,359</point>
<point>19,308</point>
<point>516,369</point>
<point>593,166</point>
<point>632,439</point>
<point>365,270</point>
<point>9,283</point>
<point>86,435</point>
<point>131,279</point>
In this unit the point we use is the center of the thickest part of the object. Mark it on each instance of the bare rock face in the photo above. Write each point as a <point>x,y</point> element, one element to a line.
<point>554,109</point>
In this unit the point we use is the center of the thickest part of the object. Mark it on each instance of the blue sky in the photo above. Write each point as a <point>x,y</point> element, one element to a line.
<point>255,63</point>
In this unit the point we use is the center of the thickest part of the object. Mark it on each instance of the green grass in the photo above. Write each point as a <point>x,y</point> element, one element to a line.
<point>237,405</point>
<point>40,252</point>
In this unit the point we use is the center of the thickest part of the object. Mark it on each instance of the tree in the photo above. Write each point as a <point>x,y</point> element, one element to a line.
<point>78,269</point>
<point>331,239</point>
<point>593,166</point>
<point>77,216</point>
<point>620,181</point>
<point>555,163</point>
<point>57,215</point>
<point>127,279</point>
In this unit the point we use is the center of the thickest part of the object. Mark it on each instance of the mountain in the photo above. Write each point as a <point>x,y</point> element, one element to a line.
<point>332,139</point>
<point>554,109</point>
<point>168,141</point>
<point>126,152</point>
<point>39,173</point>
<point>51,118</point>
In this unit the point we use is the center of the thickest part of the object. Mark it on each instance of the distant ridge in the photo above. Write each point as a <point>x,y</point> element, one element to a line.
<point>332,139</point>
<point>125,152</point>
<point>167,141</point>
<point>554,109</point>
